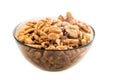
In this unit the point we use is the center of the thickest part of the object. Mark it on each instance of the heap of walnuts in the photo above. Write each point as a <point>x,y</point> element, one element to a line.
<point>60,33</point>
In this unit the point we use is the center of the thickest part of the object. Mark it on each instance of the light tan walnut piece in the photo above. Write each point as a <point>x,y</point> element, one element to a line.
<point>53,36</point>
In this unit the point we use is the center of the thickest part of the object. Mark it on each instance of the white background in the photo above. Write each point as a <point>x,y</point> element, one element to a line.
<point>102,62</point>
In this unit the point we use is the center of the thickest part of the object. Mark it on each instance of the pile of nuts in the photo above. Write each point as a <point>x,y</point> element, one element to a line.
<point>53,44</point>
<point>55,34</point>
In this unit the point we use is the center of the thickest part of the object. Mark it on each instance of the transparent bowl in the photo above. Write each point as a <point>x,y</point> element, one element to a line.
<point>51,60</point>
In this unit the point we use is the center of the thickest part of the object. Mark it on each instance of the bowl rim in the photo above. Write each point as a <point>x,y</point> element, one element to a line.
<point>14,31</point>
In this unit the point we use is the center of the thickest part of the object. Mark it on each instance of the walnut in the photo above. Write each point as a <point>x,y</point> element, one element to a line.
<point>61,18</point>
<point>56,30</point>
<point>31,24</point>
<point>53,36</point>
<point>72,33</point>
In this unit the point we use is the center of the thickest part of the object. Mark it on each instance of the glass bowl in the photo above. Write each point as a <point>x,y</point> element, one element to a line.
<point>51,60</point>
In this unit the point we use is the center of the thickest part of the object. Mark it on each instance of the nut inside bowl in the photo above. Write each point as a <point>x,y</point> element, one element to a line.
<point>54,44</point>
